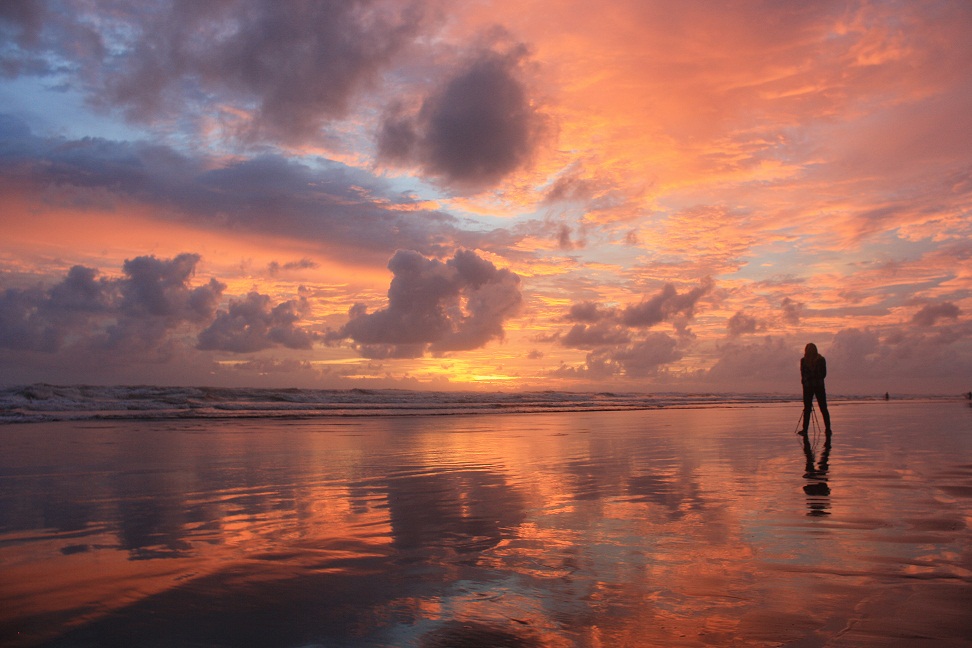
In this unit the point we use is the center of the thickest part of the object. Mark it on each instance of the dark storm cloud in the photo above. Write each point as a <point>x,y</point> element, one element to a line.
<point>284,68</point>
<point>931,313</point>
<point>253,324</point>
<point>457,305</point>
<point>476,129</point>
<point>346,211</point>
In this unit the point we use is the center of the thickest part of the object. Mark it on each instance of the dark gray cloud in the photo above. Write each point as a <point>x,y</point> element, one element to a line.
<point>741,324</point>
<point>792,310</point>
<point>771,363</point>
<point>253,324</point>
<point>436,307</point>
<point>615,335</point>
<point>275,267</point>
<point>476,129</point>
<point>133,313</point>
<point>667,304</point>
<point>348,212</point>
<point>142,314</point>
<point>930,314</point>
<point>283,68</point>
<point>155,287</point>
<point>646,356</point>
<point>23,324</point>
<point>22,20</point>
<point>587,336</point>
<point>854,350</point>
<point>612,334</point>
<point>640,359</point>
<point>861,360</point>
<point>588,312</point>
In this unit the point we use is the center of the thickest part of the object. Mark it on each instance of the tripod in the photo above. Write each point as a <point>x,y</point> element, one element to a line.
<point>814,423</point>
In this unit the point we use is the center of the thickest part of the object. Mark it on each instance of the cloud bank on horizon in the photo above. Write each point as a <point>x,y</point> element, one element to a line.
<point>411,193</point>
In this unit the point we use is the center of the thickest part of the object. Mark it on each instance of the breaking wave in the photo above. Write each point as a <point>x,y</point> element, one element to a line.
<point>43,402</point>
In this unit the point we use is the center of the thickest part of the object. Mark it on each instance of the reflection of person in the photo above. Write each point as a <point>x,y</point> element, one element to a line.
<point>813,370</point>
<point>817,488</point>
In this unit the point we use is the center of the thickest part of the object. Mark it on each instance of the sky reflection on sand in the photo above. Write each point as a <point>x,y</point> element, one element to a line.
<point>670,527</point>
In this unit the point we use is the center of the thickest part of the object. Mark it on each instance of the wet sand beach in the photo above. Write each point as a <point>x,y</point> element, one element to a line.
<point>705,526</point>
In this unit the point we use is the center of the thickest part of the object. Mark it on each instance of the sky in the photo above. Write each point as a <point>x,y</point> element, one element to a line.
<point>629,195</point>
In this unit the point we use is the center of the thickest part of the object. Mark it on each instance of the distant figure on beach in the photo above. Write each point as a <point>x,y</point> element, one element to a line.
<point>887,396</point>
<point>813,370</point>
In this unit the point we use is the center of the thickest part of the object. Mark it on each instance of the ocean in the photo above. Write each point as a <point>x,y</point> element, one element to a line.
<point>41,402</point>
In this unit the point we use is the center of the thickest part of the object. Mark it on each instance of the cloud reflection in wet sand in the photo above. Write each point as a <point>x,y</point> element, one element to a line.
<point>676,527</point>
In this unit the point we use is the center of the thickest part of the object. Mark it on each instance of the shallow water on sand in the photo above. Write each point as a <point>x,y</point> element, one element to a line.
<point>677,527</point>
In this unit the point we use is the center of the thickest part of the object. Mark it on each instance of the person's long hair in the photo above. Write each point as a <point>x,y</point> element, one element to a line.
<point>810,353</point>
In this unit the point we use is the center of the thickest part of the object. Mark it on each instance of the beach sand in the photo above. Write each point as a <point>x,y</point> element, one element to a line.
<point>712,526</point>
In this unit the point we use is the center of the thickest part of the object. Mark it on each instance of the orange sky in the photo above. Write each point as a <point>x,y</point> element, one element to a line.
<point>643,196</point>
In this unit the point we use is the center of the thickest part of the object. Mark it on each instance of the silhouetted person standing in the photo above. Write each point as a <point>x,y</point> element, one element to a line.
<point>813,370</point>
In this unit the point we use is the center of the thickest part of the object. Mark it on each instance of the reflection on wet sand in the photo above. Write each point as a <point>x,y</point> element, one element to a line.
<point>817,487</point>
<point>638,529</point>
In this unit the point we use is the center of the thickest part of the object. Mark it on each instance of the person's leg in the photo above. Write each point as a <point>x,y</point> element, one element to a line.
<point>821,394</point>
<point>807,407</point>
